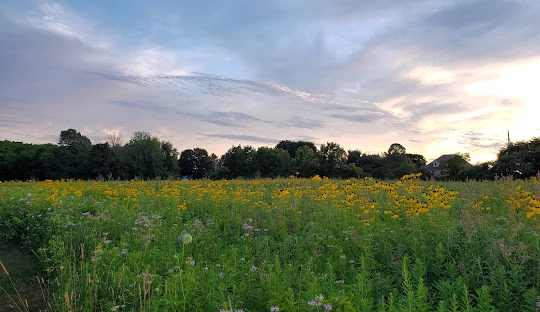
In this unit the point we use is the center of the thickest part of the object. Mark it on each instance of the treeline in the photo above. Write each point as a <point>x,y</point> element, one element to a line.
<point>146,157</point>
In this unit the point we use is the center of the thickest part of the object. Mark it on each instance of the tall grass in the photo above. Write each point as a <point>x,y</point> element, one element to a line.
<point>287,245</point>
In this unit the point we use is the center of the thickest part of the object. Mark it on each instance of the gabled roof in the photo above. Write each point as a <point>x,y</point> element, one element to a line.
<point>439,160</point>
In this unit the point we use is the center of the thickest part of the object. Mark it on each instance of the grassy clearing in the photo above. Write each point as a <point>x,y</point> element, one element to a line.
<point>287,245</point>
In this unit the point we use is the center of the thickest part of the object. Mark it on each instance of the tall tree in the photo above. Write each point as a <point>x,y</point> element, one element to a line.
<point>272,162</point>
<point>239,161</point>
<point>396,162</point>
<point>396,149</point>
<point>353,156</point>
<point>45,164</point>
<point>73,154</point>
<point>306,162</point>
<point>143,156</point>
<point>520,159</point>
<point>169,155</point>
<point>195,163</point>
<point>332,157</point>
<point>454,167</point>
<point>417,160</point>
<point>372,165</point>
<point>293,146</point>
<point>100,160</point>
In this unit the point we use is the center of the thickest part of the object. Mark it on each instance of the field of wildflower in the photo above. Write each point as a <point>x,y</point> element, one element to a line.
<point>280,245</point>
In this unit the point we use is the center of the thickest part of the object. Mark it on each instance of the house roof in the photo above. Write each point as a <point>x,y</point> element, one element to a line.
<point>440,159</point>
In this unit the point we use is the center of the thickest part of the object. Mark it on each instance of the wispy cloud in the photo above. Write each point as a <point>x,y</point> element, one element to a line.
<point>299,122</point>
<point>52,16</point>
<point>360,118</point>
<point>239,138</point>
<point>9,122</point>
<point>475,141</point>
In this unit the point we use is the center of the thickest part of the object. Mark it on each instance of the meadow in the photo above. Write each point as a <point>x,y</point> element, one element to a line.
<point>279,245</point>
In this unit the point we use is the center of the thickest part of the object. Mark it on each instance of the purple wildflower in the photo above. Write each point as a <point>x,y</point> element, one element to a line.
<point>314,303</point>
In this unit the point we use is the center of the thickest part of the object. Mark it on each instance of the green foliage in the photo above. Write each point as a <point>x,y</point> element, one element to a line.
<point>143,156</point>
<point>196,163</point>
<point>169,156</point>
<point>520,159</point>
<point>73,154</point>
<point>397,163</point>
<point>272,162</point>
<point>417,160</point>
<point>455,167</point>
<point>292,146</point>
<point>239,161</point>
<point>396,149</point>
<point>306,162</point>
<point>100,160</point>
<point>146,157</point>
<point>371,165</point>
<point>332,158</point>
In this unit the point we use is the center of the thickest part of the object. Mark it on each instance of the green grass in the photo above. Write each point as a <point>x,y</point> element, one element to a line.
<point>300,245</point>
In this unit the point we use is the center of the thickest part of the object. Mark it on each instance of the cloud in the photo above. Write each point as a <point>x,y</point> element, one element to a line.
<point>474,140</point>
<point>362,73</point>
<point>9,122</point>
<point>56,18</point>
<point>239,138</point>
<point>135,105</point>
<point>225,119</point>
<point>299,122</point>
<point>360,118</point>
<point>418,111</point>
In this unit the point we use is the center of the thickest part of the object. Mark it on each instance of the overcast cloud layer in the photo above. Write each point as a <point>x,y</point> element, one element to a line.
<point>436,76</point>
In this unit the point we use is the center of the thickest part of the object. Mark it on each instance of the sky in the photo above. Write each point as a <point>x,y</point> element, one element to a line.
<point>436,76</point>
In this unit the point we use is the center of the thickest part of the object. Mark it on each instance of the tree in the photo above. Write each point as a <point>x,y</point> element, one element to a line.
<point>293,146</point>
<point>100,160</point>
<point>143,156</point>
<point>272,162</point>
<point>73,154</point>
<point>520,159</point>
<point>396,162</point>
<point>45,164</point>
<point>353,156</point>
<point>8,157</point>
<point>332,157</point>
<point>479,172</point>
<point>349,171</point>
<point>417,160</point>
<point>115,139</point>
<point>22,161</point>
<point>239,162</point>
<point>396,149</point>
<point>371,165</point>
<point>453,168</point>
<point>169,155</point>
<point>72,138</point>
<point>306,162</point>
<point>195,163</point>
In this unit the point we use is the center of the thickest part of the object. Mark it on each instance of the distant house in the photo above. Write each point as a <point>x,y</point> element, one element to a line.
<point>435,166</point>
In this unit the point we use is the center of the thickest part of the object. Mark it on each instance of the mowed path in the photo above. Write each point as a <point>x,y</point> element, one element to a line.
<point>23,267</point>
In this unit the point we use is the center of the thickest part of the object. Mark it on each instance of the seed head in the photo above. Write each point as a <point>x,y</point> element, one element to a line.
<point>186,239</point>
